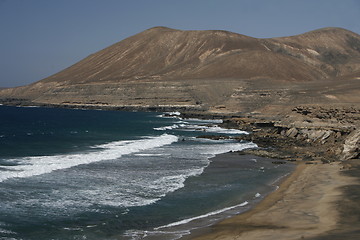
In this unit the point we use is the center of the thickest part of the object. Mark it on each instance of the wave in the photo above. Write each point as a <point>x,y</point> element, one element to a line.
<point>205,120</point>
<point>173,113</point>
<point>210,129</point>
<point>217,129</point>
<point>170,115</point>
<point>33,166</point>
<point>144,234</point>
<point>230,147</point>
<point>172,183</point>
<point>174,126</point>
<point>243,204</point>
<point>202,216</point>
<point>151,154</point>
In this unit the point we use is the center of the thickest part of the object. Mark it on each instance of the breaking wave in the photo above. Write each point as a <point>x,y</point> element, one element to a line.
<point>33,166</point>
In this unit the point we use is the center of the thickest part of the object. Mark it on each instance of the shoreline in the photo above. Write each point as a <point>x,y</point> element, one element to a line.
<point>304,206</point>
<point>224,227</point>
<point>241,203</point>
<point>312,202</point>
<point>317,185</point>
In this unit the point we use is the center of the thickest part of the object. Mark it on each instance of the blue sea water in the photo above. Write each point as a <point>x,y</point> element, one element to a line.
<point>91,174</point>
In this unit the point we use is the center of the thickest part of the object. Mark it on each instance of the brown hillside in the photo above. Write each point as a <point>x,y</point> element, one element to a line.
<point>203,69</point>
<point>163,53</point>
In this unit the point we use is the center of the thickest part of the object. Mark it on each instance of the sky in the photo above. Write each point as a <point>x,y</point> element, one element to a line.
<point>39,38</point>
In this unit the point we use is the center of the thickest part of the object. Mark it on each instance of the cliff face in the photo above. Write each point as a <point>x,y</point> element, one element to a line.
<point>215,70</point>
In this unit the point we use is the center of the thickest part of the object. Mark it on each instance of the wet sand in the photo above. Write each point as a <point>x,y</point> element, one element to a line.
<point>308,205</point>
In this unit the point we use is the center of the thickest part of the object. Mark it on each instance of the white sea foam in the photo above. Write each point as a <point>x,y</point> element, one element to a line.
<point>151,188</point>
<point>217,129</point>
<point>142,234</point>
<point>181,121</point>
<point>7,232</point>
<point>172,183</point>
<point>202,216</point>
<point>4,231</point>
<point>170,115</point>
<point>31,106</point>
<point>173,113</point>
<point>139,191</point>
<point>150,154</point>
<point>33,166</point>
<point>277,180</point>
<point>167,127</point>
<point>205,121</point>
<point>231,147</point>
<point>204,128</point>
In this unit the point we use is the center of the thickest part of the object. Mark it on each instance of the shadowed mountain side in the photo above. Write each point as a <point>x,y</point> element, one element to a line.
<point>209,70</point>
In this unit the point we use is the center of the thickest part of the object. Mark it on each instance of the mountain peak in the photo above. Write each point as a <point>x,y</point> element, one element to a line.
<point>164,55</point>
<point>160,29</point>
<point>331,30</point>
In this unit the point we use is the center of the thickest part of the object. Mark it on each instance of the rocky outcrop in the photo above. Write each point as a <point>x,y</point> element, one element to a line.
<point>340,114</point>
<point>305,135</point>
<point>351,148</point>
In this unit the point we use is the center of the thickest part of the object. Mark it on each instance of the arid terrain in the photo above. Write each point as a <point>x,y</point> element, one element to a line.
<point>215,71</point>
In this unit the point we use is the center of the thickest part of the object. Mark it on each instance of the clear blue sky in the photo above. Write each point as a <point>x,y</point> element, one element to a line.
<point>41,37</point>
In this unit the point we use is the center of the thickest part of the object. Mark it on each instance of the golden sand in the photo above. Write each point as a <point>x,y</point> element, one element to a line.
<point>304,206</point>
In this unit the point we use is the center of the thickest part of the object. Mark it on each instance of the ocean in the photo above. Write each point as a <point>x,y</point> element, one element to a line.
<point>92,174</point>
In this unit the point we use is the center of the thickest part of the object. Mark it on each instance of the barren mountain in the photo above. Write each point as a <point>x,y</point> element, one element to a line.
<point>216,70</point>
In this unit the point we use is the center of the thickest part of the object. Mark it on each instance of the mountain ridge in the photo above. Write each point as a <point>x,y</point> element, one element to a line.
<point>201,68</point>
<point>171,49</point>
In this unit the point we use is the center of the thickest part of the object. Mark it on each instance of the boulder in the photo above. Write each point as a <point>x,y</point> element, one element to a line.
<point>292,132</point>
<point>351,146</point>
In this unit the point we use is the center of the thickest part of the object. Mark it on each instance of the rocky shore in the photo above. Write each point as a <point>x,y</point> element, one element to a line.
<point>320,199</point>
<point>310,133</point>
<point>313,134</point>
<point>323,140</point>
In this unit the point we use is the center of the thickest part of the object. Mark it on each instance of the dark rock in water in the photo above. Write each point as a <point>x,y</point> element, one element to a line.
<point>214,137</point>
<point>266,153</point>
<point>279,162</point>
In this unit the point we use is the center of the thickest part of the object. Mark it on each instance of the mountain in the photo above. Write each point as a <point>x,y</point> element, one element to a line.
<point>198,69</point>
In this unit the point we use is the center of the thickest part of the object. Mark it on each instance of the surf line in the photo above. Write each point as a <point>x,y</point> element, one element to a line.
<point>38,165</point>
<point>201,216</point>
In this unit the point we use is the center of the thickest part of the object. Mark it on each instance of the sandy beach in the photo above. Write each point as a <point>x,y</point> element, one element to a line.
<point>305,206</point>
